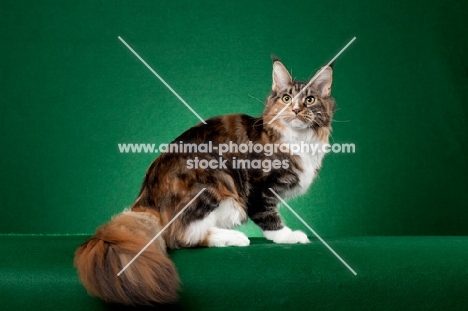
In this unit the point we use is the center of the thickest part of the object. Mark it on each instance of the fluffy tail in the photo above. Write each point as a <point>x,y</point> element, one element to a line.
<point>151,278</point>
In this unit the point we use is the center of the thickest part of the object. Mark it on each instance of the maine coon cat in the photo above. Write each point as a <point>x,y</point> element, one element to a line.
<point>232,194</point>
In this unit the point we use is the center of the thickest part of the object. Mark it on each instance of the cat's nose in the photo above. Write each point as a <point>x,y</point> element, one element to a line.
<point>296,110</point>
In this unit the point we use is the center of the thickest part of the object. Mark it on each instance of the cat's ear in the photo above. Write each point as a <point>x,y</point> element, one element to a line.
<point>322,83</point>
<point>281,77</point>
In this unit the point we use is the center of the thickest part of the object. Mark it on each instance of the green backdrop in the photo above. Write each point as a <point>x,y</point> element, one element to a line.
<point>71,91</point>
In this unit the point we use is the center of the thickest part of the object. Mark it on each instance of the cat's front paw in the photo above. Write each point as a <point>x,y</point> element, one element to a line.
<point>286,236</point>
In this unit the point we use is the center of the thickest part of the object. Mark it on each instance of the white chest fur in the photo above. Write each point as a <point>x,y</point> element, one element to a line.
<point>309,149</point>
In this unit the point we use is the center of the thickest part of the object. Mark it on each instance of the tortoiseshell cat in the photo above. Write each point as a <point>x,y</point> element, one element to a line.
<point>232,195</point>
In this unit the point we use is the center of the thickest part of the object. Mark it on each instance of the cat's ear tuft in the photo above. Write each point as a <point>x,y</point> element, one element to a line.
<point>274,58</point>
<point>281,77</point>
<point>323,81</point>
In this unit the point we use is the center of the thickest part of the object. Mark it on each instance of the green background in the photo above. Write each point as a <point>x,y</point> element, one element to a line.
<point>71,91</point>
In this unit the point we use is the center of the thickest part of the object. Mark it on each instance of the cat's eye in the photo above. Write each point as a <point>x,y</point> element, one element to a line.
<point>310,100</point>
<point>286,98</point>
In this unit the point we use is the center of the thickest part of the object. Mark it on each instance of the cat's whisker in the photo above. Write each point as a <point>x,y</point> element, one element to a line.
<point>272,114</point>
<point>258,121</point>
<point>261,101</point>
<point>341,121</point>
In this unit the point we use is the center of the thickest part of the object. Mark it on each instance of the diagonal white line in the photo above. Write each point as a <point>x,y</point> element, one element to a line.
<point>312,80</point>
<point>159,233</point>
<point>161,79</point>
<point>312,230</point>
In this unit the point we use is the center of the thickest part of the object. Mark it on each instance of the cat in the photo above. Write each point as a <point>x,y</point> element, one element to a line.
<point>231,195</point>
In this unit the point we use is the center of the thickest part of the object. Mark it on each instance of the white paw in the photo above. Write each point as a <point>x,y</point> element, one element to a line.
<point>224,237</point>
<point>286,236</point>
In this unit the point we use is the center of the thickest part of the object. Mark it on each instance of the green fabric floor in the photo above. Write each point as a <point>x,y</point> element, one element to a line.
<point>393,273</point>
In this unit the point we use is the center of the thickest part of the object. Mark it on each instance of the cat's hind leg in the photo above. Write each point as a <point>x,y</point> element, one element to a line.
<point>218,237</point>
<point>229,214</point>
<point>204,233</point>
<point>214,230</point>
<point>286,236</point>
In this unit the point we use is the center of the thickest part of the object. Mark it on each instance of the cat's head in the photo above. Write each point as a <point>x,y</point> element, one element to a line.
<point>309,105</point>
